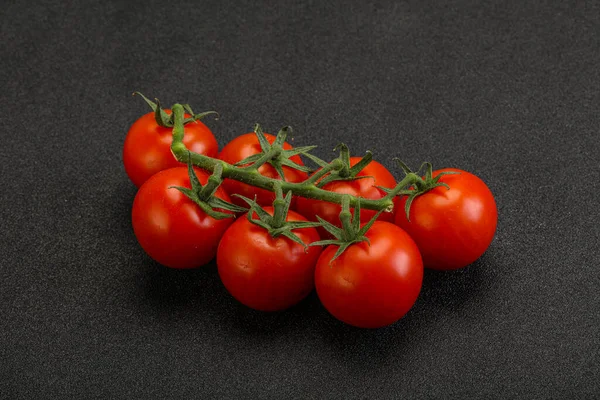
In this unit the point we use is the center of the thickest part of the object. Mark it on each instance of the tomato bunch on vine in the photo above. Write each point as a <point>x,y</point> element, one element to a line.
<point>279,227</point>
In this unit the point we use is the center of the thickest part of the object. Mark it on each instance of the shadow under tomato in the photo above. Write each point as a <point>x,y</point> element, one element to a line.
<point>186,293</point>
<point>443,292</point>
<point>244,321</point>
<point>451,290</point>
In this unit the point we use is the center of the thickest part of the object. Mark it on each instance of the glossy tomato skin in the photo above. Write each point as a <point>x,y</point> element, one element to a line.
<point>147,147</point>
<point>452,228</point>
<point>171,228</point>
<point>365,188</point>
<point>265,273</point>
<point>370,286</point>
<point>244,146</point>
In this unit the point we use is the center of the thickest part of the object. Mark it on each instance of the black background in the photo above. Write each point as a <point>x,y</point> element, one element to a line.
<point>510,93</point>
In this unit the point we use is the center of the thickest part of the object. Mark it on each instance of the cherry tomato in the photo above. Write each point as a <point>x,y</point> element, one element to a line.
<point>364,187</point>
<point>266,273</point>
<point>147,147</point>
<point>452,228</point>
<point>171,228</point>
<point>244,146</point>
<point>370,286</point>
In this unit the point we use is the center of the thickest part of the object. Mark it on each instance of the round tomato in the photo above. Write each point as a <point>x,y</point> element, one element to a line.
<point>454,227</point>
<point>147,147</point>
<point>170,227</point>
<point>266,273</point>
<point>371,285</point>
<point>376,175</point>
<point>244,146</point>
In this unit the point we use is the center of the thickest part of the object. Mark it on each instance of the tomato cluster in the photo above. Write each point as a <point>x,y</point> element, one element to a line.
<point>367,271</point>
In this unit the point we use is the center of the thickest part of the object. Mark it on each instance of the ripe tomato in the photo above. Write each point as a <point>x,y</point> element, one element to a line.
<point>364,187</point>
<point>171,228</point>
<point>244,146</point>
<point>147,147</point>
<point>266,273</point>
<point>452,228</point>
<point>370,286</point>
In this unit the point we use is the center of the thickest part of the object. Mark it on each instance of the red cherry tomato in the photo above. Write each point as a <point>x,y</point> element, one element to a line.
<point>171,228</point>
<point>244,146</point>
<point>263,272</point>
<point>364,187</point>
<point>147,147</point>
<point>370,286</point>
<point>452,228</point>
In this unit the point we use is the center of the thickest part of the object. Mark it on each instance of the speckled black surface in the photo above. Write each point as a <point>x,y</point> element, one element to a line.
<point>511,93</point>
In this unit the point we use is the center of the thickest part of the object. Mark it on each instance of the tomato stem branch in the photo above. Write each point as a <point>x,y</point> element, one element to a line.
<point>306,189</point>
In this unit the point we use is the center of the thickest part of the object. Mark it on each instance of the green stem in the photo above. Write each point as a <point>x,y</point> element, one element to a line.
<point>268,156</point>
<point>346,219</point>
<point>334,165</point>
<point>305,189</point>
<point>279,208</point>
<point>213,183</point>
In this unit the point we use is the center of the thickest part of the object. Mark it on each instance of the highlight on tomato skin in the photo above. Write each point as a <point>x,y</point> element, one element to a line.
<point>171,228</point>
<point>373,175</point>
<point>147,147</point>
<point>263,272</point>
<point>371,285</point>
<point>454,227</point>
<point>244,146</point>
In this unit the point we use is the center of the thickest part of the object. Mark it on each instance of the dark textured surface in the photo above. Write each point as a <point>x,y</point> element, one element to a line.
<point>509,93</point>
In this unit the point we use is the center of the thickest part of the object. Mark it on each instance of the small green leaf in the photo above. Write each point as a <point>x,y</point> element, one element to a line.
<point>278,168</point>
<point>219,215</point>
<point>282,135</point>
<point>437,178</point>
<point>383,188</point>
<point>249,160</point>
<point>200,116</point>
<point>258,222</point>
<point>186,191</point>
<point>329,227</point>
<point>340,250</point>
<point>256,208</point>
<point>217,202</point>
<point>290,235</point>
<point>162,118</point>
<point>303,224</point>
<point>325,242</point>
<point>289,163</point>
<point>188,108</point>
<point>195,183</point>
<point>359,166</point>
<point>367,226</point>
<point>428,171</point>
<point>316,160</point>
<point>147,100</point>
<point>407,205</point>
<point>297,150</point>
<point>403,166</point>
<point>328,179</point>
<point>262,139</point>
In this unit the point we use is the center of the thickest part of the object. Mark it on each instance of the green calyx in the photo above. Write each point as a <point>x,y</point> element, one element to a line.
<point>277,224</point>
<point>204,196</point>
<point>422,184</point>
<point>274,154</point>
<point>339,169</point>
<point>167,121</point>
<point>351,232</point>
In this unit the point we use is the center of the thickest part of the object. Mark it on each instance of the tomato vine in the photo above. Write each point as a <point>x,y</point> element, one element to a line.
<point>250,175</point>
